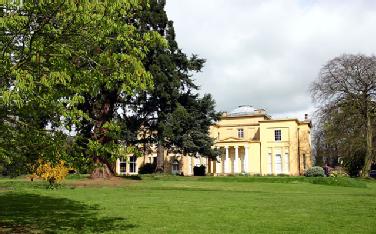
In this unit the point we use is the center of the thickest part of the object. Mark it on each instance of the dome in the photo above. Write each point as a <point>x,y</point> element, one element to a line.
<point>243,110</point>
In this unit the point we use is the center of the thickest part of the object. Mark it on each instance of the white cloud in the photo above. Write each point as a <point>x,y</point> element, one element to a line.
<point>267,52</point>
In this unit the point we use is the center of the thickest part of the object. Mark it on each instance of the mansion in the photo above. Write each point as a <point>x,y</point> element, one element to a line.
<point>250,142</point>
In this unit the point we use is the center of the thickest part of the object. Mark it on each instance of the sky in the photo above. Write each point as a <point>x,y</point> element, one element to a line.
<point>266,53</point>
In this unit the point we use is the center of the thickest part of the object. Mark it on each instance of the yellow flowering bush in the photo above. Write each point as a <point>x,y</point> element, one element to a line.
<point>54,174</point>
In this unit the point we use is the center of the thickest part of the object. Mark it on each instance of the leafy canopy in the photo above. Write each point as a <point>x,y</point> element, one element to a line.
<point>57,56</point>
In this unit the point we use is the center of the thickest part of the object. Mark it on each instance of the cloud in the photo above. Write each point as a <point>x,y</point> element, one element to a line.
<point>266,53</point>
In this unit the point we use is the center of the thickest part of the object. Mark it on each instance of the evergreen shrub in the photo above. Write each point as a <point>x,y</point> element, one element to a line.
<point>199,170</point>
<point>314,172</point>
<point>147,168</point>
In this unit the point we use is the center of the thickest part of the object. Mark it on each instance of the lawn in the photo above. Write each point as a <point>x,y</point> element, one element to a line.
<point>188,205</point>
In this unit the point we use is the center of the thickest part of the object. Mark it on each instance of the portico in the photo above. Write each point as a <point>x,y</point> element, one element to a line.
<point>233,159</point>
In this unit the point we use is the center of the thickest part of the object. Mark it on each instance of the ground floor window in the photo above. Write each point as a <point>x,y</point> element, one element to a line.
<point>132,164</point>
<point>278,164</point>
<point>287,164</point>
<point>175,166</point>
<point>123,166</point>
<point>270,166</point>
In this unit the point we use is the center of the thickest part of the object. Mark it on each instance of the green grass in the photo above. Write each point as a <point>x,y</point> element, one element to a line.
<point>172,204</point>
<point>333,181</point>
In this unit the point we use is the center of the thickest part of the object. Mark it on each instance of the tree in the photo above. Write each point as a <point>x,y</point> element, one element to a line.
<point>155,110</point>
<point>187,128</point>
<point>344,145</point>
<point>347,84</point>
<point>71,64</point>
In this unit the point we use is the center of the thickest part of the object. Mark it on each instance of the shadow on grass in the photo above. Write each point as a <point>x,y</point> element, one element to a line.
<point>31,213</point>
<point>132,177</point>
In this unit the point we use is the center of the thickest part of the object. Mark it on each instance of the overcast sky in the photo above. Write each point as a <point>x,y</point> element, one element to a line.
<point>266,53</point>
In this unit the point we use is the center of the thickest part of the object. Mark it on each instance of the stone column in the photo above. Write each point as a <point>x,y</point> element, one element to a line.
<point>227,161</point>
<point>236,160</point>
<point>217,163</point>
<point>273,153</point>
<point>246,162</point>
<point>117,166</point>
<point>208,165</point>
<point>189,165</point>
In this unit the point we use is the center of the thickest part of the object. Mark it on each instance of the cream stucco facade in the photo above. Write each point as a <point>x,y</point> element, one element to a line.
<point>249,142</point>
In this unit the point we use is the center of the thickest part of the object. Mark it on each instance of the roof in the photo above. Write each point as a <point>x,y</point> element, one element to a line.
<point>288,119</point>
<point>243,110</point>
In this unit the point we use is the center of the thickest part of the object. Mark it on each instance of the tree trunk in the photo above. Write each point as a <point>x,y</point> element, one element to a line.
<point>369,155</point>
<point>160,158</point>
<point>103,169</point>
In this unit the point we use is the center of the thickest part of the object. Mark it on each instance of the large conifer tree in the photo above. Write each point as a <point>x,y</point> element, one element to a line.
<point>172,72</point>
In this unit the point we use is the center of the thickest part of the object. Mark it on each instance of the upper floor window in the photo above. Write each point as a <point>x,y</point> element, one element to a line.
<point>277,135</point>
<point>240,133</point>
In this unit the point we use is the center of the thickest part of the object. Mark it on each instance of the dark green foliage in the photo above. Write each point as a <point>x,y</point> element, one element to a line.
<point>347,144</point>
<point>147,168</point>
<point>188,126</point>
<point>314,172</point>
<point>170,113</point>
<point>65,65</point>
<point>354,163</point>
<point>83,66</point>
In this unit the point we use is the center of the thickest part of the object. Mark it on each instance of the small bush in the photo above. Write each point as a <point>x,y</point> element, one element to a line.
<point>147,168</point>
<point>314,172</point>
<point>199,170</point>
<point>338,172</point>
<point>54,174</point>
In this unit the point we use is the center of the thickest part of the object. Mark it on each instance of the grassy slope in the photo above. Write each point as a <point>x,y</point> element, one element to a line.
<point>187,205</point>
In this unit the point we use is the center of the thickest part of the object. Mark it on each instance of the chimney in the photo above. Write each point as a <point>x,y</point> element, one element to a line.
<point>305,116</point>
